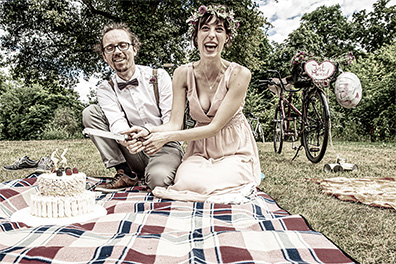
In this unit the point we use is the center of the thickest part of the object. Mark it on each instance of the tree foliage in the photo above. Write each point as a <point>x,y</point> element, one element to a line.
<point>26,110</point>
<point>374,29</point>
<point>54,39</point>
<point>64,124</point>
<point>49,44</point>
<point>333,29</point>
<point>327,33</point>
<point>373,118</point>
<point>376,112</point>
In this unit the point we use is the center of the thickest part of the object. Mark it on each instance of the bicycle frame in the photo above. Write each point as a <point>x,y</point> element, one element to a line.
<point>311,77</point>
<point>256,127</point>
<point>313,118</point>
<point>286,125</point>
<point>283,100</point>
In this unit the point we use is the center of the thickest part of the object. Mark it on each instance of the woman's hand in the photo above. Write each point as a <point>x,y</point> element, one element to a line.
<point>154,142</point>
<point>136,135</point>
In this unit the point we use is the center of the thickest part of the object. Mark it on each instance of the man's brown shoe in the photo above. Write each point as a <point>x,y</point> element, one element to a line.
<point>119,183</point>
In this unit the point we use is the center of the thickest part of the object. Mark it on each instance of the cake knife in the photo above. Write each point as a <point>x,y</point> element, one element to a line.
<point>105,134</point>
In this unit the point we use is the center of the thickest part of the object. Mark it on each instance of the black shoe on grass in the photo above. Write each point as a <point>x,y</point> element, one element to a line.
<point>22,163</point>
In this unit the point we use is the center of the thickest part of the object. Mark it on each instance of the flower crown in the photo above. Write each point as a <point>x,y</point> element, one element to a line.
<point>220,12</point>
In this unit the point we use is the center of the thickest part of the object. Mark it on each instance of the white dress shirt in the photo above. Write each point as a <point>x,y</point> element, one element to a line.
<point>138,102</point>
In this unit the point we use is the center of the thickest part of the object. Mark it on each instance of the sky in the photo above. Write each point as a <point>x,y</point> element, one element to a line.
<point>286,14</point>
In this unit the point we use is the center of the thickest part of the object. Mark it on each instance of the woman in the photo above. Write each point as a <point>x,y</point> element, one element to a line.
<point>221,163</point>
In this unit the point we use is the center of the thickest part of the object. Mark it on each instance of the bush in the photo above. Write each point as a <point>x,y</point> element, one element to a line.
<point>64,125</point>
<point>257,104</point>
<point>25,112</point>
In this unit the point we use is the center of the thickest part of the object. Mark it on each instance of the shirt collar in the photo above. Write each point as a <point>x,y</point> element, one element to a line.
<point>136,75</point>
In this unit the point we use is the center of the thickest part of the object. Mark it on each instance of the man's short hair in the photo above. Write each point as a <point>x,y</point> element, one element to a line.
<point>122,26</point>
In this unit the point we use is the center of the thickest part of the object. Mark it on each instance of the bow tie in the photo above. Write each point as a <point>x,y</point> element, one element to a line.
<point>133,82</point>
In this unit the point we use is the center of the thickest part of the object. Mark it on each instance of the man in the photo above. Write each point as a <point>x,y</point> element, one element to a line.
<point>129,100</point>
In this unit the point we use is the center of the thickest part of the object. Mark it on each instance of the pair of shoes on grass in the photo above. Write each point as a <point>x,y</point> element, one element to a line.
<point>41,165</point>
<point>120,182</point>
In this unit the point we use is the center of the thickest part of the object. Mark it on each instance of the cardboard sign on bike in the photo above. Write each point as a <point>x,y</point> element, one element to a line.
<point>320,71</point>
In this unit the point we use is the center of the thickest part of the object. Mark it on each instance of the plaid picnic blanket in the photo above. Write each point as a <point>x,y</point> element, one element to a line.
<point>140,228</point>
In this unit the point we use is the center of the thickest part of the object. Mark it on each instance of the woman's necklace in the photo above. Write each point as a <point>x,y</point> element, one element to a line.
<point>211,86</point>
<point>218,74</point>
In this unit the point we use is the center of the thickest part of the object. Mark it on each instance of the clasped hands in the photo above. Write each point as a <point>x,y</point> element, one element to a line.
<point>140,139</point>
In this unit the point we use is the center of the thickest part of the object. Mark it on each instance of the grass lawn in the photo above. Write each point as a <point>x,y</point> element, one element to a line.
<point>367,234</point>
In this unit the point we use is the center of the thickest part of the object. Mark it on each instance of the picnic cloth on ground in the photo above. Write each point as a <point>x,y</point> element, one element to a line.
<point>373,191</point>
<point>140,228</point>
<point>224,163</point>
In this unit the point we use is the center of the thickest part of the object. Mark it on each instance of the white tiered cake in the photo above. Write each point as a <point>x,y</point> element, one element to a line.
<point>62,196</point>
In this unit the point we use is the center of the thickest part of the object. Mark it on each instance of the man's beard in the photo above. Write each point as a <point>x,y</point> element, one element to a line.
<point>122,68</point>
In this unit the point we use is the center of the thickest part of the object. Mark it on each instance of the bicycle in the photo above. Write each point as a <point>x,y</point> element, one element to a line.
<point>257,129</point>
<point>314,117</point>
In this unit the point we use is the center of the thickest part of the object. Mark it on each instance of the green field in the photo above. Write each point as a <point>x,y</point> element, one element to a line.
<point>366,233</point>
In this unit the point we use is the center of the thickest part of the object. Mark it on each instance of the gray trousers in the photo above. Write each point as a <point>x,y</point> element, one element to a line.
<point>158,169</point>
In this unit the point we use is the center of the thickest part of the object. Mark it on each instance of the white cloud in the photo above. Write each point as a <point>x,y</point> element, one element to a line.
<point>286,14</point>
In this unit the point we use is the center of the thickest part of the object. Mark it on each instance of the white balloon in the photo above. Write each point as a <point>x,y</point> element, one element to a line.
<point>348,90</point>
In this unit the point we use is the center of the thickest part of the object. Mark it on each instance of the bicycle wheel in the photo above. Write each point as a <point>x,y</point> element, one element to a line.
<point>278,130</point>
<point>316,132</point>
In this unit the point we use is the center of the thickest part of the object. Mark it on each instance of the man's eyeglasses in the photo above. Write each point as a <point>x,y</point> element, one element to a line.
<point>121,46</point>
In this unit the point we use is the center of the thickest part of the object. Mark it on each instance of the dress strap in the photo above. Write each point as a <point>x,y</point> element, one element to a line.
<point>190,77</point>
<point>228,72</point>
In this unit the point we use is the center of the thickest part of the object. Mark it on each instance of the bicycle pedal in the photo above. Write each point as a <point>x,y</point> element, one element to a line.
<point>314,149</point>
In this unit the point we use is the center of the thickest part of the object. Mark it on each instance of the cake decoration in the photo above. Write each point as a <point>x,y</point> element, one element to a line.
<point>62,192</point>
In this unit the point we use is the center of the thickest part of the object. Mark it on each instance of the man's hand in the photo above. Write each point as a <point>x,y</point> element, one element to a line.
<point>136,132</point>
<point>134,146</point>
<point>136,136</point>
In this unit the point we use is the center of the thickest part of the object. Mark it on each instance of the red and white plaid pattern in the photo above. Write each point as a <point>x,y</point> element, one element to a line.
<point>140,228</point>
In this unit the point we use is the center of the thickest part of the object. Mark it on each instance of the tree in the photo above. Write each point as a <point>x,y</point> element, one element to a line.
<point>54,39</point>
<point>327,33</point>
<point>377,28</point>
<point>50,43</point>
<point>64,124</point>
<point>376,111</point>
<point>26,110</point>
<point>2,83</point>
<point>333,28</point>
<point>301,39</point>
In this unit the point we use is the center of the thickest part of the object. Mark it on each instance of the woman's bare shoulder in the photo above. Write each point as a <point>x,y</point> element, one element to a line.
<point>240,71</point>
<point>180,75</point>
<point>182,69</point>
